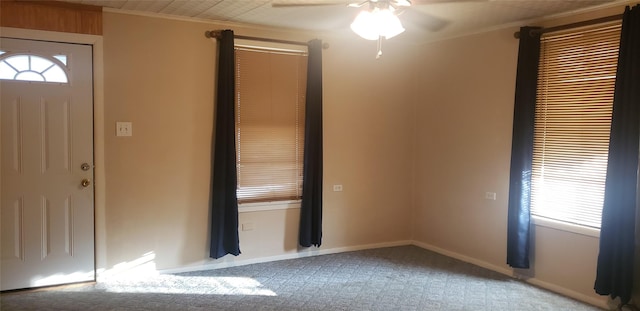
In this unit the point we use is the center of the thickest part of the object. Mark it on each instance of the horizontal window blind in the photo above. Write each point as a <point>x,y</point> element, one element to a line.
<point>270,92</point>
<point>572,124</point>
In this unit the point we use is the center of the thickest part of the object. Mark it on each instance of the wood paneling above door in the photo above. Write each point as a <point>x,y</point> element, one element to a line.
<point>51,16</point>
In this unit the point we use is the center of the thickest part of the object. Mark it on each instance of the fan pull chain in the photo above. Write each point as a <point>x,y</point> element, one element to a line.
<point>379,47</point>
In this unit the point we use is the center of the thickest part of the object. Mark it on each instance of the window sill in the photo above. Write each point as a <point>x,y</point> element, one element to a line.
<point>267,206</point>
<point>563,226</point>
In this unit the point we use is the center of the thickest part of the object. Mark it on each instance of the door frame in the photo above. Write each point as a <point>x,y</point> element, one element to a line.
<point>96,41</point>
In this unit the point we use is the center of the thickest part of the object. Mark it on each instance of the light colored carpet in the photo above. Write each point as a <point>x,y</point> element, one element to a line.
<point>395,278</point>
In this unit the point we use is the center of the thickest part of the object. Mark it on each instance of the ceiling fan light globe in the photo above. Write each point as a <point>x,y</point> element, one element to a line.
<point>365,26</point>
<point>389,24</point>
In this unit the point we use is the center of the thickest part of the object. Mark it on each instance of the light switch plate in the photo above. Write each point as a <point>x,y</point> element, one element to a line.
<point>124,129</point>
<point>490,195</point>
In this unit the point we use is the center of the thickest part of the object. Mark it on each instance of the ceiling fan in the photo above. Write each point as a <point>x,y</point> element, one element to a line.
<point>379,19</point>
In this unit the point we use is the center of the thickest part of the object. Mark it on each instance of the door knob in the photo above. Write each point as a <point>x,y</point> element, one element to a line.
<point>85,183</point>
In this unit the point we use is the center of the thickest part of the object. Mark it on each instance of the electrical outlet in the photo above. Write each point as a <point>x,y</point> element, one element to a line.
<point>124,129</point>
<point>337,188</point>
<point>247,226</point>
<point>490,196</point>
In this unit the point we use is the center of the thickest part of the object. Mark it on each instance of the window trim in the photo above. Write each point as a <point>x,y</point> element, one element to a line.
<point>51,58</point>
<point>270,46</point>
<point>539,221</point>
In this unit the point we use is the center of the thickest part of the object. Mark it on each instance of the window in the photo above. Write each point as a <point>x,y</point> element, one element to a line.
<point>270,97</point>
<point>573,117</point>
<point>27,67</point>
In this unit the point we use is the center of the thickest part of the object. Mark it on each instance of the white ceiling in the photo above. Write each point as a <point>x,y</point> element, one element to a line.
<point>452,17</point>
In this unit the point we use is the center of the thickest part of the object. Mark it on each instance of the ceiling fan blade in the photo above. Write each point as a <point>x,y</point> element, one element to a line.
<point>299,3</point>
<point>358,3</point>
<point>420,20</point>
<point>414,18</point>
<point>427,2</point>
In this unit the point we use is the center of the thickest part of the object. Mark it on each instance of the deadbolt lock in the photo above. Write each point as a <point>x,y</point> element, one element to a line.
<point>85,166</point>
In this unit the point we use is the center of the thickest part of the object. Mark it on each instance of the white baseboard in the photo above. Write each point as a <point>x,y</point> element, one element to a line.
<point>464,258</point>
<point>601,303</point>
<point>238,261</point>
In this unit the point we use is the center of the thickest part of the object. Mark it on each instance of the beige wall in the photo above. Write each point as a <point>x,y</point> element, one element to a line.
<point>415,138</point>
<point>464,110</point>
<point>464,107</point>
<point>159,74</point>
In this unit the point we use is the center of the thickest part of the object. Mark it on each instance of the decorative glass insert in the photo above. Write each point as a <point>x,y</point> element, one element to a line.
<point>61,58</point>
<point>27,67</point>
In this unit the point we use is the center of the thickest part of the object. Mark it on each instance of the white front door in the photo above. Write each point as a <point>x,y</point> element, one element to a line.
<point>46,163</point>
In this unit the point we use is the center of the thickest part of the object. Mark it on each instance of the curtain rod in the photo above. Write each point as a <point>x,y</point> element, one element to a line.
<point>573,25</point>
<point>216,34</point>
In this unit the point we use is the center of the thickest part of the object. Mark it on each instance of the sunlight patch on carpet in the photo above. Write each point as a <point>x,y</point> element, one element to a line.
<point>174,284</point>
